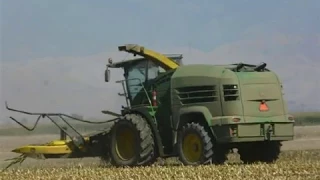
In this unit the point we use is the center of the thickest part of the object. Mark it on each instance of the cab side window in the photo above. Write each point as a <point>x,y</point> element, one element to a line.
<point>136,78</point>
<point>154,70</point>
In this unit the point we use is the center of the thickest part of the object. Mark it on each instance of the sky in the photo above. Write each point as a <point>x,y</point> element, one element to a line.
<point>53,53</point>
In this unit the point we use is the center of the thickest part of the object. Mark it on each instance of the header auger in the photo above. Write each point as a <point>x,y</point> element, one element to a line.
<point>197,113</point>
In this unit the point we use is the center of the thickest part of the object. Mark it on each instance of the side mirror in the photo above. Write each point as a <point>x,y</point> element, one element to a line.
<point>107,75</point>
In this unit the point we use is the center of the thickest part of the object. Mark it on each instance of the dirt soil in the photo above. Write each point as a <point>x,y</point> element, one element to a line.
<point>306,137</point>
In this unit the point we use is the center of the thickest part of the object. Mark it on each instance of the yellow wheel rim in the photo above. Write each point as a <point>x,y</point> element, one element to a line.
<point>125,143</point>
<point>192,147</point>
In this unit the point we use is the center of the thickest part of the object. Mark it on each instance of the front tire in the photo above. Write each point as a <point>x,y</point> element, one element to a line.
<point>131,142</point>
<point>194,145</point>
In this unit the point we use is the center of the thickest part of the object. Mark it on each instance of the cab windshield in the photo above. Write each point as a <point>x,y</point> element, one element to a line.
<point>138,74</point>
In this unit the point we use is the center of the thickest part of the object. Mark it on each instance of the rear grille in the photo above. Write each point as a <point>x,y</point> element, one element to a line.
<point>197,94</point>
<point>230,92</point>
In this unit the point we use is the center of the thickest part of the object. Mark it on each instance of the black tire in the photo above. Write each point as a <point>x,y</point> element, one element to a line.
<point>271,151</point>
<point>249,154</point>
<point>267,152</point>
<point>220,154</point>
<point>141,142</point>
<point>204,142</point>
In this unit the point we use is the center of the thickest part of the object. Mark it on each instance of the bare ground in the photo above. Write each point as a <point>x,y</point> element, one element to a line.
<point>306,138</point>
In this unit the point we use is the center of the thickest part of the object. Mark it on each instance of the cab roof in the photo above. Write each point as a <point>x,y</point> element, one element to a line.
<point>175,57</point>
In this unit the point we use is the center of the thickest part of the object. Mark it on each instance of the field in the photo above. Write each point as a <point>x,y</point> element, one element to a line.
<point>306,118</point>
<point>300,159</point>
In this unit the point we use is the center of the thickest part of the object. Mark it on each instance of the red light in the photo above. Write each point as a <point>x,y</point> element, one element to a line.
<point>263,106</point>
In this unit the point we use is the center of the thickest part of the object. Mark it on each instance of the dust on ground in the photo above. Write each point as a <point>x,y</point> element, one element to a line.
<point>306,137</point>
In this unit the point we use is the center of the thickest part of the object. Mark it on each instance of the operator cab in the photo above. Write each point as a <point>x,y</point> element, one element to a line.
<point>138,73</point>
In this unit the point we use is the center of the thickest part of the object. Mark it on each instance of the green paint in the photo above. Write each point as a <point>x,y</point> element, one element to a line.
<point>212,95</point>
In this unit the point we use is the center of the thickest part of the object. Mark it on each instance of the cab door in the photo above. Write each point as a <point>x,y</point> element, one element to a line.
<point>136,76</point>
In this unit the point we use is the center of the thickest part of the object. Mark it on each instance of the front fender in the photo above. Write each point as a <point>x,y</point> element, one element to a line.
<point>204,111</point>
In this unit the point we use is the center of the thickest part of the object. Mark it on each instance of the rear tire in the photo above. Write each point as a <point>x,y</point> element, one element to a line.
<point>271,151</point>
<point>220,154</point>
<point>249,153</point>
<point>194,145</point>
<point>267,152</point>
<point>131,142</point>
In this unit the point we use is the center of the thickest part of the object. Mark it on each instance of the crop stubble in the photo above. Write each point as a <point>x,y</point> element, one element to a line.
<point>298,164</point>
<point>291,165</point>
